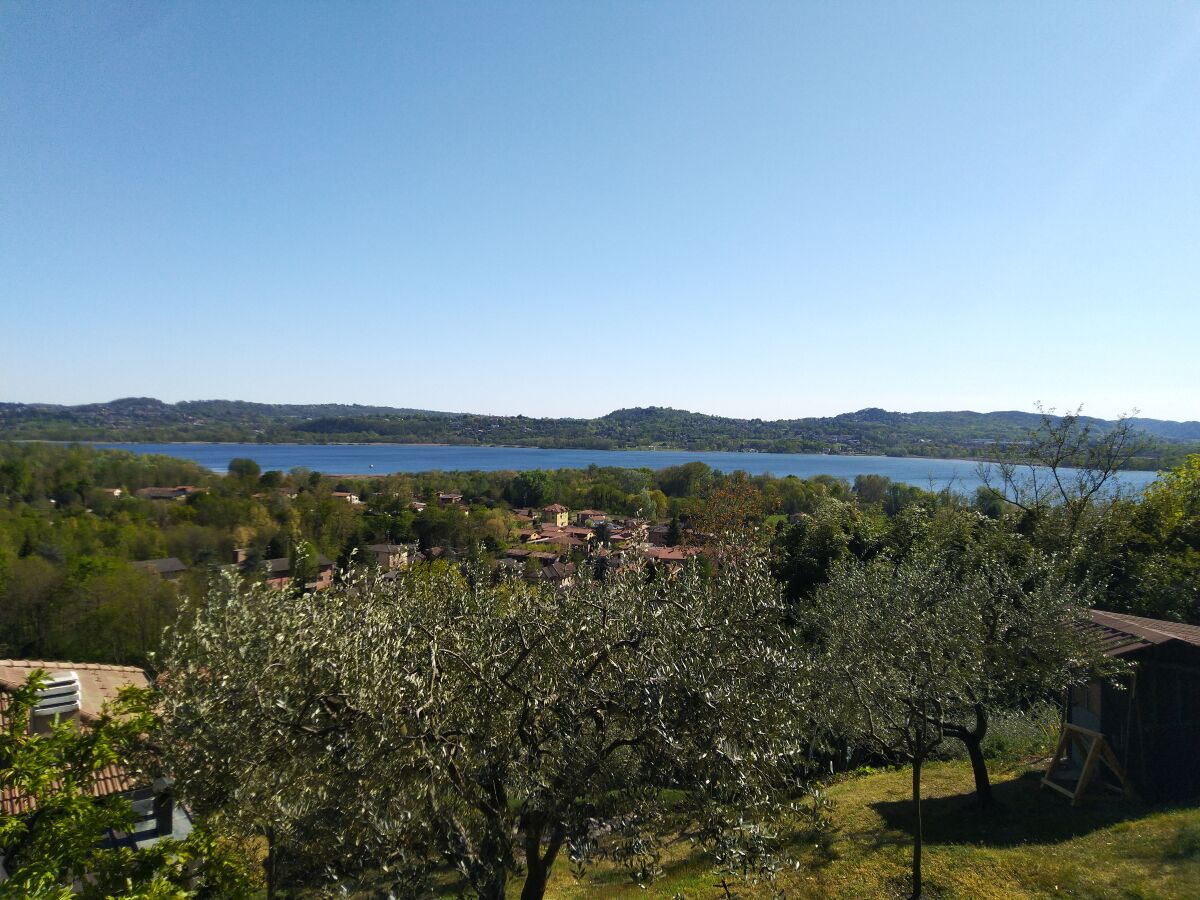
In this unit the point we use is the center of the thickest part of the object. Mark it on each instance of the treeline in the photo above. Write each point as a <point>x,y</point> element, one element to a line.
<point>877,431</point>
<point>69,587</point>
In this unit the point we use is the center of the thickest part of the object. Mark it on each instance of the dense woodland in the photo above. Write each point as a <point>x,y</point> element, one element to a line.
<point>876,431</point>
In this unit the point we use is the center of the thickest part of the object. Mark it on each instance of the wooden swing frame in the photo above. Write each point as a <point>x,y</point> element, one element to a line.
<point>1096,751</point>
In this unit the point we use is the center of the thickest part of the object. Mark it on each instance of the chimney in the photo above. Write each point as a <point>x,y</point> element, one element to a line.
<point>59,701</point>
<point>240,555</point>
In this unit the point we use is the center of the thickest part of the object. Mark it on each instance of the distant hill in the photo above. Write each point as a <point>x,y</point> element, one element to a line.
<point>873,430</point>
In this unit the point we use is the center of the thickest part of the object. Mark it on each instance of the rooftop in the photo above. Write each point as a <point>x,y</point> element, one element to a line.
<point>1120,633</point>
<point>98,682</point>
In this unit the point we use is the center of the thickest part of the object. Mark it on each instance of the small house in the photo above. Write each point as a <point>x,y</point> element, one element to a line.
<point>169,569</point>
<point>391,556</point>
<point>556,514</point>
<point>1150,717</point>
<point>279,573</point>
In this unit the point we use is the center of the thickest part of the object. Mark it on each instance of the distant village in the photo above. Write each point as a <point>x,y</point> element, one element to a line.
<point>554,544</point>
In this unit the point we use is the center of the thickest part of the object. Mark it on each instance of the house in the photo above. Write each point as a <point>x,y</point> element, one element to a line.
<point>668,560</point>
<point>670,554</point>
<point>659,535</point>
<point>170,568</point>
<point>539,556</point>
<point>279,573</point>
<point>559,574</point>
<point>76,693</point>
<point>417,506</point>
<point>391,556</point>
<point>1151,717</point>
<point>115,493</point>
<point>556,514</point>
<point>449,499</point>
<point>350,498</point>
<point>567,542</point>
<point>590,517</point>
<point>179,492</point>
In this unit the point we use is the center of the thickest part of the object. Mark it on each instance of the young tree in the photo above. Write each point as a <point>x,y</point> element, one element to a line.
<point>918,651</point>
<point>494,726</point>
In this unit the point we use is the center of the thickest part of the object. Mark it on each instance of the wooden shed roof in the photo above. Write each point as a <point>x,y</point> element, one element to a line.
<point>1120,633</point>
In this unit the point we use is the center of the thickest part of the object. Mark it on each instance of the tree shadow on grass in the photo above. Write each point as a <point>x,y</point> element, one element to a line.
<point>1024,813</point>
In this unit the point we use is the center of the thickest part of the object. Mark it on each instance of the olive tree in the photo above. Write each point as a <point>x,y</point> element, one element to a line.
<point>389,725</point>
<point>918,650</point>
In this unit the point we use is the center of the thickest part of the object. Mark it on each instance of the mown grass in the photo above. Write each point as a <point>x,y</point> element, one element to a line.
<point>1034,844</point>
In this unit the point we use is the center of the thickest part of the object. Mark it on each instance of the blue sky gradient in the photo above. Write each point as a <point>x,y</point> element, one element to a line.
<point>559,208</point>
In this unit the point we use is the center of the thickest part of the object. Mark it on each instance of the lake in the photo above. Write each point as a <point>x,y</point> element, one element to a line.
<point>382,459</point>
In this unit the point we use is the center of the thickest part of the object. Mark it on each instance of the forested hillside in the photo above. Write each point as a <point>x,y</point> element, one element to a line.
<point>876,431</point>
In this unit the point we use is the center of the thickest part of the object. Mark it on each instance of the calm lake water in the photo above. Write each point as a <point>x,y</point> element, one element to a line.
<point>381,459</point>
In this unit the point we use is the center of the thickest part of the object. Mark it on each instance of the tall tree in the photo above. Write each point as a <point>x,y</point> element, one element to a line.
<point>1065,466</point>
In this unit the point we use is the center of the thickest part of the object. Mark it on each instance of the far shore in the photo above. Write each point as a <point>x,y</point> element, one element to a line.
<point>655,449</point>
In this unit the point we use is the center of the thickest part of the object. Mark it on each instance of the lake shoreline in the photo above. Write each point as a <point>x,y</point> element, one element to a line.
<point>362,460</point>
<point>750,453</point>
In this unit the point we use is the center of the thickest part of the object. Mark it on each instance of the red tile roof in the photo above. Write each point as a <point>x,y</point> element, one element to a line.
<point>108,780</point>
<point>98,683</point>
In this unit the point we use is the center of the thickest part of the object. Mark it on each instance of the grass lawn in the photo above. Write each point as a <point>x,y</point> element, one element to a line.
<point>1033,845</point>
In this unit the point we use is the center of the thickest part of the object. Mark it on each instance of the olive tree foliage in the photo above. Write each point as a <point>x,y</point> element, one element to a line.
<point>917,651</point>
<point>388,725</point>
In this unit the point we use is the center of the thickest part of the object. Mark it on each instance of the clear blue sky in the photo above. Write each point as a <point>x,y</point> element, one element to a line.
<point>752,209</point>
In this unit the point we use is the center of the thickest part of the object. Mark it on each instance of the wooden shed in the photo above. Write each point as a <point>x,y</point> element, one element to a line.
<point>1151,717</point>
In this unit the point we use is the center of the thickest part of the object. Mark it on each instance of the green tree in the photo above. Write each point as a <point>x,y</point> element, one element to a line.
<point>244,470</point>
<point>805,553</point>
<point>530,488</point>
<point>54,842</point>
<point>913,652</point>
<point>491,725</point>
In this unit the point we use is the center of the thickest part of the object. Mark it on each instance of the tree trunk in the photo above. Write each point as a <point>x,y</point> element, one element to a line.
<point>983,785</point>
<point>916,793</point>
<point>973,741</point>
<point>537,863</point>
<point>269,864</point>
<point>535,879</point>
